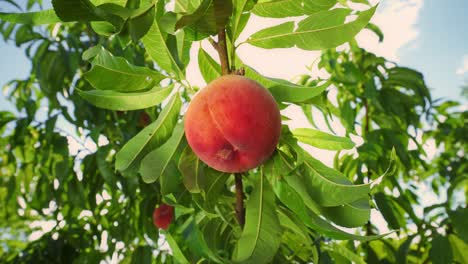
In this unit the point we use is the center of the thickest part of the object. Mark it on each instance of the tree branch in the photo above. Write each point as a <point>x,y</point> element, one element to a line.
<point>240,210</point>
<point>221,47</point>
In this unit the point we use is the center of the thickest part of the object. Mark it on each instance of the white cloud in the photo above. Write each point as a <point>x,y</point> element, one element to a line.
<point>464,67</point>
<point>398,20</point>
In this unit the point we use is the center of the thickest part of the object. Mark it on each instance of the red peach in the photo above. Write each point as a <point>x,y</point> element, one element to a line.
<point>233,124</point>
<point>163,215</point>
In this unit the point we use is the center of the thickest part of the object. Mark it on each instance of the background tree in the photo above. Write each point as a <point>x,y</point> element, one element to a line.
<point>113,72</point>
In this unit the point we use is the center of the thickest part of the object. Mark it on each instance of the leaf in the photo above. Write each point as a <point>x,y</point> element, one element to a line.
<point>260,238</point>
<point>31,18</point>
<point>288,8</point>
<point>322,140</point>
<point>210,17</point>
<point>176,251</point>
<point>140,24</point>
<point>151,136</point>
<point>291,192</point>
<point>284,91</point>
<point>240,16</point>
<point>155,44</point>
<point>390,212</point>
<point>192,170</point>
<point>209,68</point>
<point>440,252</point>
<point>126,101</point>
<point>330,187</point>
<point>349,215</point>
<point>345,252</point>
<point>75,10</point>
<point>117,74</point>
<point>459,250</point>
<point>459,220</point>
<point>310,34</point>
<point>156,162</point>
<point>374,28</point>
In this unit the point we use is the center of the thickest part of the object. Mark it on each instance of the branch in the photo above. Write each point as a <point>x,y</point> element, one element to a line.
<point>240,210</point>
<point>221,47</point>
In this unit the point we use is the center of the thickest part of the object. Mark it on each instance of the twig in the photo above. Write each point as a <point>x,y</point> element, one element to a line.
<point>240,210</point>
<point>221,47</point>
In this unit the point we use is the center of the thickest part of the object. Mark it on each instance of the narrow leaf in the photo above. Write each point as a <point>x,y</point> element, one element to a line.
<point>117,74</point>
<point>319,31</point>
<point>158,50</point>
<point>156,162</point>
<point>31,18</point>
<point>209,68</point>
<point>288,8</point>
<point>262,232</point>
<point>151,136</point>
<point>322,140</point>
<point>126,101</point>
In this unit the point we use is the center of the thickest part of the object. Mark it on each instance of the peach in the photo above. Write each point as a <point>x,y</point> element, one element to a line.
<point>233,124</point>
<point>163,216</point>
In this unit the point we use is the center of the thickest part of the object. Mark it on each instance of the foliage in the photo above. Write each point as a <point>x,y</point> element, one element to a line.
<point>114,73</point>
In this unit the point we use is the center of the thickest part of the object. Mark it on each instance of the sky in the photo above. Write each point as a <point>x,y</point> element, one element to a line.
<point>428,35</point>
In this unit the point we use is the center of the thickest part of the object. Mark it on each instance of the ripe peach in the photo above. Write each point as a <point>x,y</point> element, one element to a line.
<point>163,215</point>
<point>233,124</point>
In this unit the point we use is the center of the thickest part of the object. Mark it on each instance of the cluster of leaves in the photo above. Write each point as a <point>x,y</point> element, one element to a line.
<point>389,105</point>
<point>130,55</point>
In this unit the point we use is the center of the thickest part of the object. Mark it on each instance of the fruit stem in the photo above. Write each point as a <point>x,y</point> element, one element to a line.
<point>240,210</point>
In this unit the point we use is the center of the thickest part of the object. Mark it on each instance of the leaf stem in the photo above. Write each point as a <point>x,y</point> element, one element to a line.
<point>240,210</point>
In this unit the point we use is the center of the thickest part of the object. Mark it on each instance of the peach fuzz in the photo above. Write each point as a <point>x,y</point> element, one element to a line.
<point>233,124</point>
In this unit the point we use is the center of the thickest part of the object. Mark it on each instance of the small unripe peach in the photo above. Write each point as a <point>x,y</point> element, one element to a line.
<point>163,216</point>
<point>233,124</point>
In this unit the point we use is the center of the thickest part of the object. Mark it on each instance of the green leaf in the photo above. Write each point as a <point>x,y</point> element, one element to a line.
<point>156,162</point>
<point>350,215</point>
<point>158,50</point>
<point>284,91</point>
<point>151,136</point>
<point>345,252</point>
<point>322,140</point>
<point>330,187</point>
<point>141,254</point>
<point>176,251</point>
<point>441,251</point>
<point>117,74</point>
<point>240,16</point>
<point>291,192</point>
<point>210,17</point>
<point>319,31</point>
<point>192,170</point>
<point>140,24</point>
<point>31,18</point>
<point>459,250</point>
<point>459,220</point>
<point>75,10</point>
<point>374,28</point>
<point>261,236</point>
<point>126,101</point>
<point>288,8</point>
<point>209,68</point>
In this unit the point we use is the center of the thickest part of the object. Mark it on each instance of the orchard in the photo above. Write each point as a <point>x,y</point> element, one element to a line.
<point>110,153</point>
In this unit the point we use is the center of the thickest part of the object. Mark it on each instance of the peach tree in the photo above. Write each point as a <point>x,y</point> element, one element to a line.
<point>114,72</point>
